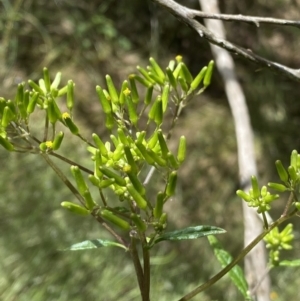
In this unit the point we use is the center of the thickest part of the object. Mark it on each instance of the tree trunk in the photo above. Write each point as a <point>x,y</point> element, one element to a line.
<point>255,262</point>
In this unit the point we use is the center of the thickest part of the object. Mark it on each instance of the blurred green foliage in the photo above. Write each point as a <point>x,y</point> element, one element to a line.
<point>86,40</point>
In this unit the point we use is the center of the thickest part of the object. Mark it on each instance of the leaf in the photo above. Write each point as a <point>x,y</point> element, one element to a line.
<point>236,274</point>
<point>189,233</point>
<point>93,244</point>
<point>290,263</point>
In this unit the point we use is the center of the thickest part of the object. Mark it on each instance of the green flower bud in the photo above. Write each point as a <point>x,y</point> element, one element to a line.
<point>7,117</point>
<point>6,144</point>
<point>46,79</point>
<point>158,209</point>
<point>118,153</point>
<point>94,180</point>
<point>124,87</point>
<point>171,185</point>
<point>81,185</point>
<point>158,71</point>
<point>109,121</point>
<point>137,197</point>
<point>155,78</point>
<point>139,223</point>
<point>297,205</point>
<point>119,222</point>
<point>148,96</point>
<point>43,86</point>
<point>112,175</point>
<point>183,84</point>
<point>106,183</point>
<point>62,91</point>
<point>99,144</point>
<point>106,105</point>
<point>243,195</point>
<point>133,116</point>
<point>171,65</point>
<point>198,79</point>
<point>287,230</point>
<point>111,89</point>
<point>26,100</point>
<point>51,112</point>
<point>134,93</point>
<point>163,219</point>
<point>75,208</point>
<point>130,160</point>
<point>264,191</point>
<point>165,97</point>
<point>136,183</point>
<point>36,87</point>
<point>298,161</point>
<point>163,144</point>
<point>153,110</point>
<point>208,74</point>
<point>56,81</point>
<point>181,153</point>
<point>115,140</point>
<point>171,78</point>
<point>144,72</point>
<point>58,140</point>
<point>158,117</point>
<point>176,72</point>
<point>140,136</point>
<point>13,108</point>
<point>186,74</point>
<point>278,187</point>
<point>283,175</point>
<point>157,159</point>
<point>70,95</point>
<point>70,124</point>
<point>43,146</point>
<point>292,173</point>
<point>152,140</point>
<point>255,188</point>
<point>294,156</point>
<point>172,160</point>
<point>20,94</point>
<point>144,153</point>
<point>89,202</point>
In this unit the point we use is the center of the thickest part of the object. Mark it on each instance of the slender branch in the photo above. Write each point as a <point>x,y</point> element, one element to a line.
<point>246,19</point>
<point>63,178</point>
<point>110,230</point>
<point>187,15</point>
<point>137,265</point>
<point>243,253</point>
<point>146,257</point>
<point>71,162</point>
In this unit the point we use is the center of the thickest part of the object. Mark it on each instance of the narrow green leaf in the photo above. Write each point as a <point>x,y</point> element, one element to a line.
<point>190,233</point>
<point>93,244</point>
<point>236,274</point>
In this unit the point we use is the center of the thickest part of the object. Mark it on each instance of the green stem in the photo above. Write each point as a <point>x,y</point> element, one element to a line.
<point>243,253</point>
<point>137,266</point>
<point>146,284</point>
<point>71,163</point>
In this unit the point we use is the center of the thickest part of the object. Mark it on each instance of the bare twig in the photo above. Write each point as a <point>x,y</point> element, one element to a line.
<point>187,16</point>
<point>247,19</point>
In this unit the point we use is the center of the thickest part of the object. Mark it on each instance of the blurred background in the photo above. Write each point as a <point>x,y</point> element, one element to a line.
<point>87,40</point>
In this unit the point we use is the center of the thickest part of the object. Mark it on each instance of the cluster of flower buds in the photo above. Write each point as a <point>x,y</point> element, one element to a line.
<point>278,241</point>
<point>133,143</point>
<point>258,198</point>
